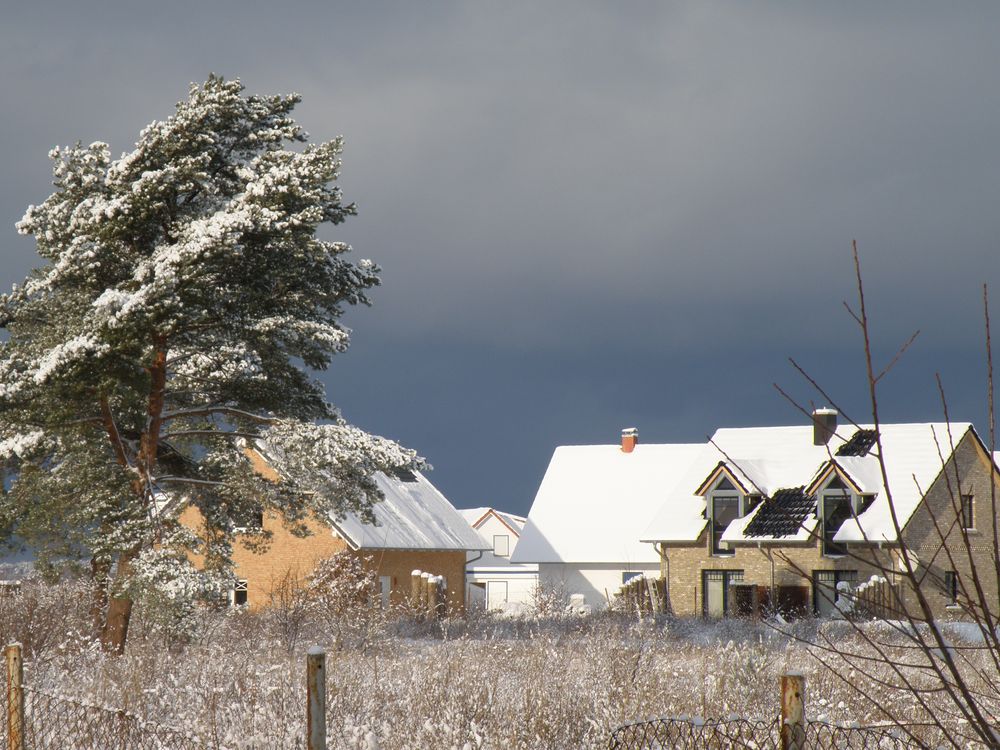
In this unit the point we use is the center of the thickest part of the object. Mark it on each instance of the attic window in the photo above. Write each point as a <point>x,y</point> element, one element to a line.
<point>860,443</point>
<point>501,545</point>
<point>404,475</point>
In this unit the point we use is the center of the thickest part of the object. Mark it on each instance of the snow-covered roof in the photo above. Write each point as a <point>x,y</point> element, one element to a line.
<point>475,516</point>
<point>595,500</point>
<point>413,515</point>
<point>777,458</point>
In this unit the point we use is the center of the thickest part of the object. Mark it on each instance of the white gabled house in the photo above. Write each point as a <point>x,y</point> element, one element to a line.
<point>492,580</point>
<point>592,507</point>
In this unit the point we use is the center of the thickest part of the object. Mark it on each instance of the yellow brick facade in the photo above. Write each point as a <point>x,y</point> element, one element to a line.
<point>967,473</point>
<point>292,557</point>
<point>289,557</point>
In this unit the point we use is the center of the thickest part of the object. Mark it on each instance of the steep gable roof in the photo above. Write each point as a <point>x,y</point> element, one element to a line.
<point>594,501</point>
<point>477,516</point>
<point>414,515</point>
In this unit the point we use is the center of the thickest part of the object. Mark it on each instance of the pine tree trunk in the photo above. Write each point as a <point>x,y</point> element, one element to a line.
<point>115,630</point>
<point>99,597</point>
<point>118,613</point>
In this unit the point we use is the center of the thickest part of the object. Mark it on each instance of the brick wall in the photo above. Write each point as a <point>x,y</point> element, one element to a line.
<point>942,505</point>
<point>294,557</point>
<point>683,564</point>
<point>788,565</point>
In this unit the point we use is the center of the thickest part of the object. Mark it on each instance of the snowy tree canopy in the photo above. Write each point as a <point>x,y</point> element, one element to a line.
<point>183,299</point>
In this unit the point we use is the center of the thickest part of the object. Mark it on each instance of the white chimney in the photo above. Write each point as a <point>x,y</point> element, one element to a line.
<point>824,425</point>
<point>630,436</point>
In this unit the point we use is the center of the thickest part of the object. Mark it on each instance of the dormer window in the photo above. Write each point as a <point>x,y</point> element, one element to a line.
<point>837,504</point>
<point>724,506</point>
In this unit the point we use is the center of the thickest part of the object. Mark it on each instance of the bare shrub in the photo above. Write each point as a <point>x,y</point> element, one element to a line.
<point>44,617</point>
<point>343,593</point>
<point>289,609</point>
<point>907,663</point>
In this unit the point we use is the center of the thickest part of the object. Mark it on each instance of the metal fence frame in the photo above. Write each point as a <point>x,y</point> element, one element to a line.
<point>790,730</point>
<point>38,720</point>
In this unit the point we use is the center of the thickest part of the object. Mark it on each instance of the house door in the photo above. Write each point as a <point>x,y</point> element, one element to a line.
<point>496,594</point>
<point>715,591</point>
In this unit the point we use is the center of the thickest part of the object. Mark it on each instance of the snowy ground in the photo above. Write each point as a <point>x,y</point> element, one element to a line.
<point>484,684</point>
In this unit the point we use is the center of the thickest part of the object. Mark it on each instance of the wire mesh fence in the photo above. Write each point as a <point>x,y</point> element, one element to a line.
<point>56,723</point>
<point>684,732</point>
<point>34,719</point>
<point>737,733</point>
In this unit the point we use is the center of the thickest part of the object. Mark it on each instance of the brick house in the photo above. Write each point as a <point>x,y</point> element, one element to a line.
<point>791,512</point>
<point>417,528</point>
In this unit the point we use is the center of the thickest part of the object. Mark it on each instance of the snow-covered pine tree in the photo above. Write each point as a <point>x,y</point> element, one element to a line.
<point>183,300</point>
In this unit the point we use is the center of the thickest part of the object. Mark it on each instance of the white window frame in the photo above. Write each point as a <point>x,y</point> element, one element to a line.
<point>722,494</point>
<point>505,539</point>
<point>838,495</point>
<point>241,586</point>
<point>971,525</point>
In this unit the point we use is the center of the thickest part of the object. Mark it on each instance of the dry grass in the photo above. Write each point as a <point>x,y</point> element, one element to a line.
<point>483,683</point>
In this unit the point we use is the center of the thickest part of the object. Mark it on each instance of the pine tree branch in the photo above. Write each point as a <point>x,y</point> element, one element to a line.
<point>210,433</point>
<point>205,411</point>
<point>188,480</point>
<point>108,420</point>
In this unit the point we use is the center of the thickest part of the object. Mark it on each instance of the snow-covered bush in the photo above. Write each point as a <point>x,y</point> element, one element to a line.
<point>344,593</point>
<point>488,682</point>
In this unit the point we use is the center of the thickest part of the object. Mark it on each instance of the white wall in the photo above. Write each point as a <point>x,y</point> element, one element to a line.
<point>520,580</point>
<point>596,581</point>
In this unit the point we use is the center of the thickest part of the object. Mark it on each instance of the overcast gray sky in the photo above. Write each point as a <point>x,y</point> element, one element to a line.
<point>589,215</point>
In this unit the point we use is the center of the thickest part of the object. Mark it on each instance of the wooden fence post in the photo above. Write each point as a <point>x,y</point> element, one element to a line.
<point>793,712</point>
<point>316,699</point>
<point>15,697</point>
<point>425,586</point>
<point>415,591</point>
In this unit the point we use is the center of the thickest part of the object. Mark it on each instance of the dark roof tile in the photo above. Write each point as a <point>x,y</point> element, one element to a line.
<point>860,443</point>
<point>782,514</point>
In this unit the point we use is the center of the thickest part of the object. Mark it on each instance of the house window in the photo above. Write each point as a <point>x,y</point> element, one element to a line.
<point>825,589</point>
<point>501,545</point>
<point>951,587</point>
<point>968,519</point>
<point>725,509</point>
<point>239,594</point>
<point>715,591</point>
<point>628,576</point>
<point>250,521</point>
<point>836,507</point>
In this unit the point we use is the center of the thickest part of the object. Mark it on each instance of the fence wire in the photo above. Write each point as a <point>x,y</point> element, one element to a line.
<point>683,732</point>
<point>56,723</point>
<point>749,734</point>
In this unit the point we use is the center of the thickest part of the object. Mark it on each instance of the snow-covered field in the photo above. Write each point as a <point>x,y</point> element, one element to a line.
<point>486,683</point>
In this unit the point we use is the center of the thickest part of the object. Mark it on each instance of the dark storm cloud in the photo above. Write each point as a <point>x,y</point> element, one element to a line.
<point>588,215</point>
